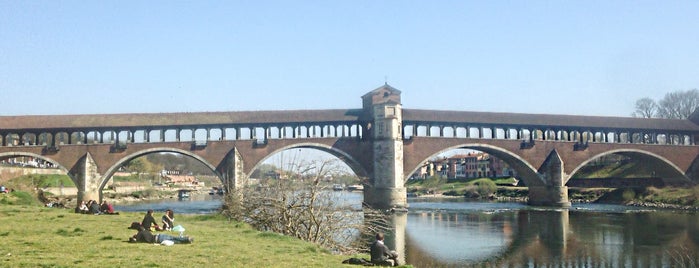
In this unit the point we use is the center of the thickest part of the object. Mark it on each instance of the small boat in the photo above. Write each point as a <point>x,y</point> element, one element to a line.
<point>338,187</point>
<point>355,187</point>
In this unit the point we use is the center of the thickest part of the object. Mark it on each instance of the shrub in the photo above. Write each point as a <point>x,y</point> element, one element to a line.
<point>145,193</point>
<point>471,192</point>
<point>454,192</point>
<point>485,187</point>
<point>628,195</point>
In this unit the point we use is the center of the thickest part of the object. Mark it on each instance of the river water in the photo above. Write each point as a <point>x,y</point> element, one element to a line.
<point>456,233</point>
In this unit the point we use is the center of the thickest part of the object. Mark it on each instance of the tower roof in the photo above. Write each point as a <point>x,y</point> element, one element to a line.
<point>382,95</point>
<point>385,88</point>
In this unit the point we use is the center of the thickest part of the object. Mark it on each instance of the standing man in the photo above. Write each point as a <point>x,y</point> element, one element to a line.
<point>381,254</point>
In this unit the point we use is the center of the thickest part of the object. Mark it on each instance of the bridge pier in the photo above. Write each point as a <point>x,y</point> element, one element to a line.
<point>553,193</point>
<point>549,196</point>
<point>87,179</point>
<point>231,171</point>
<point>386,198</point>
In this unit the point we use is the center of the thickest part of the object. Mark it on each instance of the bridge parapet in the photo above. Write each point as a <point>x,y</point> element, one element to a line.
<point>195,127</point>
<point>451,124</point>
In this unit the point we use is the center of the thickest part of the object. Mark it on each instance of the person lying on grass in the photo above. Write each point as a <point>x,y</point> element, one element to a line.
<point>145,236</point>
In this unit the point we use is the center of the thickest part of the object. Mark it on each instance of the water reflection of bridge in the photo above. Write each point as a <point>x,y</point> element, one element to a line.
<point>562,238</point>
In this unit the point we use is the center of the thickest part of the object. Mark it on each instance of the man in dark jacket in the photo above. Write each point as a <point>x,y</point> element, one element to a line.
<point>381,254</point>
<point>143,235</point>
<point>149,221</point>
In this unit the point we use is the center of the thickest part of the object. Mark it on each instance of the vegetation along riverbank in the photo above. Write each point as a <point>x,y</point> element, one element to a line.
<point>686,198</point>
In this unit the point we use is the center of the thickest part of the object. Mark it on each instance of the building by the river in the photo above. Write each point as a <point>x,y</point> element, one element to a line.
<point>465,166</point>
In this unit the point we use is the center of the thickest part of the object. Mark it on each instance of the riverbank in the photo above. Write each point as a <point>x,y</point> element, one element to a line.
<point>34,236</point>
<point>664,198</point>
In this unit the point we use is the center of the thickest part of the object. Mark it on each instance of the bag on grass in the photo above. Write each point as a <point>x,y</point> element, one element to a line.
<point>135,225</point>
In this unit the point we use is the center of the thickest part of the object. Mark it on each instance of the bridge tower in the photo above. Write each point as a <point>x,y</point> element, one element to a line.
<point>382,110</point>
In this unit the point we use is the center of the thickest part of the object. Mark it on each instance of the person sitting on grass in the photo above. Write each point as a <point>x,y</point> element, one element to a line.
<point>107,208</point>
<point>148,222</point>
<point>82,208</point>
<point>381,255</point>
<point>168,219</point>
<point>145,236</point>
<point>94,207</point>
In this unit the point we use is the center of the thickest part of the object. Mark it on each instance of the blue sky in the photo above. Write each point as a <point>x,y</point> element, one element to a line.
<point>553,57</point>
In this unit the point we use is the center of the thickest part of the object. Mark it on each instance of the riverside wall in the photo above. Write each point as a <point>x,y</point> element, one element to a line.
<point>8,173</point>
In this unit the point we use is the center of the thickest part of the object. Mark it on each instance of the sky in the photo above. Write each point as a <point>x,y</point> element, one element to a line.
<point>543,57</point>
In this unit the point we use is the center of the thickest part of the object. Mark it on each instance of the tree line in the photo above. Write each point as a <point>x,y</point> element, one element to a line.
<point>674,105</point>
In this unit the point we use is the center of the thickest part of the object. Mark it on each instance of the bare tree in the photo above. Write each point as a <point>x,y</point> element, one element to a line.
<point>301,205</point>
<point>645,108</point>
<point>678,105</point>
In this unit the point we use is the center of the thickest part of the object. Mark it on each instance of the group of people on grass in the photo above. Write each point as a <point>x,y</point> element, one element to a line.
<point>148,224</point>
<point>93,207</point>
<point>145,227</point>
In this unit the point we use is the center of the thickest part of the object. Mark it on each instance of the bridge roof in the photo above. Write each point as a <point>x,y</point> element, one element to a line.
<point>547,120</point>
<point>139,120</point>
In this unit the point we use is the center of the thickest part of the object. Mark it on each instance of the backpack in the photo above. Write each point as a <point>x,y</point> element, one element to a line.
<point>135,225</point>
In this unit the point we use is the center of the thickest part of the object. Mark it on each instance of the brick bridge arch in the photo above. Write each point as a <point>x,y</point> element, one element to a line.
<point>8,155</point>
<point>355,164</point>
<point>114,168</point>
<point>527,172</point>
<point>670,160</point>
<point>668,171</point>
<point>231,161</point>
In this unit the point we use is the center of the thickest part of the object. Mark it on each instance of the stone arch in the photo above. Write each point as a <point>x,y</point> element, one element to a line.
<point>348,159</point>
<point>9,155</point>
<point>108,174</point>
<point>524,169</point>
<point>666,169</point>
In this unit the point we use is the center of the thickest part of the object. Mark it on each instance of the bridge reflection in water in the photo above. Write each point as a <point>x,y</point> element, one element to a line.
<point>546,238</point>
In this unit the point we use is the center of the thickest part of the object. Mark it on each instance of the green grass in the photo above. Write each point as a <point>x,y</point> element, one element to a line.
<point>624,169</point>
<point>34,236</point>
<point>482,187</point>
<point>670,195</point>
<point>40,180</point>
<point>18,198</point>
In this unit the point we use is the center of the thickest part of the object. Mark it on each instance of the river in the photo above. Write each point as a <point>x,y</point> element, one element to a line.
<point>456,233</point>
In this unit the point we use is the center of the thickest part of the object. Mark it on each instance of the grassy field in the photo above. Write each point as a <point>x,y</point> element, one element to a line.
<point>34,236</point>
